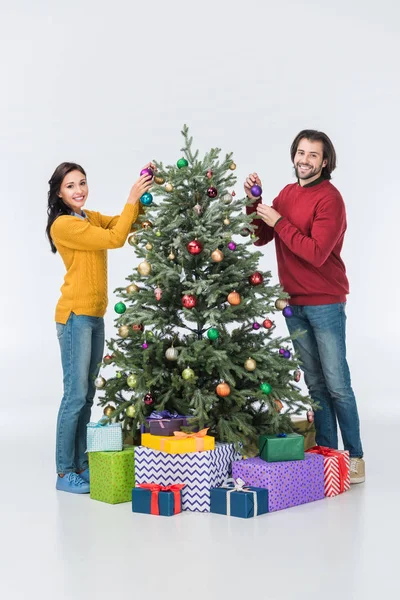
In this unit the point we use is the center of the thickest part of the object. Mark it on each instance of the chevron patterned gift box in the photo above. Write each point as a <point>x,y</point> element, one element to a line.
<point>199,471</point>
<point>336,469</point>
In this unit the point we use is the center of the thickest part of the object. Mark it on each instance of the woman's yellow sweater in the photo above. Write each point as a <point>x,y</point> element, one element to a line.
<point>83,245</point>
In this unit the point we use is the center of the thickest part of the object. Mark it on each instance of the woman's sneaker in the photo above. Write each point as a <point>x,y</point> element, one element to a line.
<point>71,482</point>
<point>357,470</point>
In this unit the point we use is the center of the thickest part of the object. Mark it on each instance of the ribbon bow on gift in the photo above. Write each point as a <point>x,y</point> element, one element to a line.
<point>155,489</point>
<point>197,436</point>
<point>238,485</point>
<point>330,453</point>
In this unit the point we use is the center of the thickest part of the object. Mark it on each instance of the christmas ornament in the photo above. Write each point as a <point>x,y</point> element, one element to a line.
<point>226,198</point>
<point>149,246</point>
<point>234,194</point>
<point>212,192</point>
<point>297,375</point>
<point>100,382</point>
<point>182,162</point>
<point>227,221</point>
<point>287,312</point>
<point>118,375</point>
<point>245,232</point>
<point>256,191</point>
<point>146,199</point>
<point>265,388</point>
<point>250,364</point>
<point>132,288</point>
<point>281,351</point>
<point>138,327</point>
<point>108,410</point>
<point>213,334</point>
<point>144,268</point>
<point>198,209</point>
<point>120,308</point>
<point>171,354</point>
<point>280,304</point>
<point>147,224</point>
<point>194,247</point>
<point>232,246</point>
<point>267,323</point>
<point>286,354</point>
<point>310,416</point>
<point>147,171</point>
<point>158,233</point>
<point>189,301</point>
<point>188,374</point>
<point>209,174</point>
<point>130,411</point>
<point>107,359</point>
<point>234,298</point>
<point>223,389</point>
<point>217,256</point>
<point>159,180</point>
<point>148,399</point>
<point>123,331</point>
<point>256,326</point>
<point>232,166</point>
<point>278,405</point>
<point>145,345</point>
<point>256,278</point>
<point>158,293</point>
<point>169,187</point>
<point>171,256</point>
<point>132,240</point>
<point>132,381</point>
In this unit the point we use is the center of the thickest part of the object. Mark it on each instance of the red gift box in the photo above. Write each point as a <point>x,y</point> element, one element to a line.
<point>336,469</point>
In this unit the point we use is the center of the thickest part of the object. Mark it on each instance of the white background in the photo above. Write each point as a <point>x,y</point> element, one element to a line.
<point>109,85</point>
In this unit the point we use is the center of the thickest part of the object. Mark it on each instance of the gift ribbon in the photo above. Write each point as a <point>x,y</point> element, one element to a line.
<point>330,453</point>
<point>164,414</point>
<point>238,486</point>
<point>155,489</point>
<point>181,435</point>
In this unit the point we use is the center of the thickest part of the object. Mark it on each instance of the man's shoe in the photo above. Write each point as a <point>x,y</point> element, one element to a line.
<point>71,482</point>
<point>85,475</point>
<point>357,470</point>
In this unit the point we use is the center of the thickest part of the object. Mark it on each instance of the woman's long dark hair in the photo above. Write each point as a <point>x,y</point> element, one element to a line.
<point>329,150</point>
<point>55,205</point>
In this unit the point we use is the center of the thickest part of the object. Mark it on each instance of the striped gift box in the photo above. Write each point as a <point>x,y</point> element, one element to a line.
<point>336,469</point>
<point>104,438</point>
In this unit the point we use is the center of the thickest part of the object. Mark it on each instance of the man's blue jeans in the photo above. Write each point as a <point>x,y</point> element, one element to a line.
<point>82,344</point>
<point>322,351</point>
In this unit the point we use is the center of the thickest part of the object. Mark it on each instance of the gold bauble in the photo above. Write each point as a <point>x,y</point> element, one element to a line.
<point>217,256</point>
<point>123,331</point>
<point>144,268</point>
<point>232,166</point>
<point>149,246</point>
<point>280,304</point>
<point>234,298</point>
<point>169,187</point>
<point>99,382</point>
<point>109,409</point>
<point>159,180</point>
<point>132,288</point>
<point>227,221</point>
<point>171,256</point>
<point>250,364</point>
<point>132,240</point>
<point>130,411</point>
<point>147,224</point>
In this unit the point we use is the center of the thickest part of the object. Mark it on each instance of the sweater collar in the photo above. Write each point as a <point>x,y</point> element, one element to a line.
<point>316,182</point>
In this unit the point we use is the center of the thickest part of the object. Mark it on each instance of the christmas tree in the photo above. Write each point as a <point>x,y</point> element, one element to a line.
<point>195,328</point>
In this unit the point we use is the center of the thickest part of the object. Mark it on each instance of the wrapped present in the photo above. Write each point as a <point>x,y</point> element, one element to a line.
<point>288,483</point>
<point>180,442</point>
<point>104,437</point>
<point>155,499</point>
<point>199,471</point>
<point>281,447</point>
<point>306,429</point>
<point>336,469</point>
<point>170,420</point>
<point>235,500</point>
<point>112,475</point>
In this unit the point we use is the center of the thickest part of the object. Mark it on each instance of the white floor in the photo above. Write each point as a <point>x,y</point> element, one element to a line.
<point>58,545</point>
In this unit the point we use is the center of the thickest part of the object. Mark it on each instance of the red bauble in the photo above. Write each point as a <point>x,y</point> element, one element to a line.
<point>148,399</point>
<point>108,359</point>
<point>137,327</point>
<point>212,192</point>
<point>267,323</point>
<point>189,301</point>
<point>194,247</point>
<point>256,278</point>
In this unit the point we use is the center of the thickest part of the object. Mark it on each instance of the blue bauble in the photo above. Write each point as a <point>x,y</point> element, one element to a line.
<point>287,354</point>
<point>146,199</point>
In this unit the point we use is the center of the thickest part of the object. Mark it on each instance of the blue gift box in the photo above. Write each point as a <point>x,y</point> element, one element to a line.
<point>228,500</point>
<point>142,502</point>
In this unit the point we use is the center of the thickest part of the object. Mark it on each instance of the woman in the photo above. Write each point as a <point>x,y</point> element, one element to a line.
<point>82,238</point>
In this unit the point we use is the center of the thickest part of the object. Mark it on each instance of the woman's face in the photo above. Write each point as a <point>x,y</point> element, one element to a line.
<point>74,191</point>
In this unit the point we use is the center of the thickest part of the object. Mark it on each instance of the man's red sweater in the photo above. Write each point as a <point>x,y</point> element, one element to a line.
<point>308,242</point>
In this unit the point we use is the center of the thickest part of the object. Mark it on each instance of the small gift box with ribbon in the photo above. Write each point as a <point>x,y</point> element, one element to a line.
<point>104,437</point>
<point>180,442</point>
<point>281,447</point>
<point>155,499</point>
<point>234,499</point>
<point>165,423</point>
<point>336,469</point>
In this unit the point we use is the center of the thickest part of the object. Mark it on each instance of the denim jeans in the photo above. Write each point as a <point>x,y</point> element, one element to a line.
<point>322,351</point>
<point>82,344</point>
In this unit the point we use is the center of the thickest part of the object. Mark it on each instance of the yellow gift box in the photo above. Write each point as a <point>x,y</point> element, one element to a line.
<point>180,442</point>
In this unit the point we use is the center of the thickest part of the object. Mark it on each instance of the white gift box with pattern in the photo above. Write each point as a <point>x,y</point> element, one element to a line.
<point>104,438</point>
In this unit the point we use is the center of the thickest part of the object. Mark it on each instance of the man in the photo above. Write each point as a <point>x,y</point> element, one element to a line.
<point>308,222</point>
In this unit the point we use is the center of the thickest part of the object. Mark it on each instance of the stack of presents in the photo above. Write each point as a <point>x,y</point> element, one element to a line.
<point>174,471</point>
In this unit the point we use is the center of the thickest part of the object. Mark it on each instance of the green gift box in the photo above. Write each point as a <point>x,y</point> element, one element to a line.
<point>281,447</point>
<point>112,475</point>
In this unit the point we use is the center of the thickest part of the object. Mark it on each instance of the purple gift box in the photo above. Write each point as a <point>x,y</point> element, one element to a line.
<point>288,483</point>
<point>165,423</point>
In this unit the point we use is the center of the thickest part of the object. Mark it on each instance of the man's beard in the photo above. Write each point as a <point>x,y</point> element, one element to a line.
<point>309,174</point>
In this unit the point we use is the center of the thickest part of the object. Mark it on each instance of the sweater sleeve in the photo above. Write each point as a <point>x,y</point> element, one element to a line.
<point>110,222</point>
<point>79,234</point>
<point>328,225</point>
<point>264,232</point>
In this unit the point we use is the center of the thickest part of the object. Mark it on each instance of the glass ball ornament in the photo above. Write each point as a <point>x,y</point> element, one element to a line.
<point>149,246</point>
<point>256,191</point>
<point>226,198</point>
<point>281,351</point>
<point>287,354</point>
<point>232,166</point>
<point>209,174</point>
<point>132,288</point>
<point>158,233</point>
<point>148,399</point>
<point>120,308</point>
<point>132,381</point>
<point>227,221</point>
<point>188,374</point>
<point>159,180</point>
<point>138,327</point>
<point>250,364</point>
<point>171,354</point>
<point>130,411</point>
<point>123,331</point>
<point>287,312</point>
<point>146,199</point>
<point>213,334</point>
<point>99,382</point>
<point>189,301</point>
<point>132,240</point>
<point>169,187</point>
<point>194,247</point>
<point>212,192</point>
<point>144,268</point>
<point>171,256</point>
<point>256,278</point>
<point>256,326</point>
<point>182,162</point>
<point>145,345</point>
<point>217,256</point>
<point>266,388</point>
<point>107,359</point>
<point>158,293</point>
<point>223,389</point>
<point>147,171</point>
<point>267,324</point>
<point>232,246</point>
<point>147,224</point>
<point>108,410</point>
<point>280,303</point>
<point>198,209</point>
<point>234,298</point>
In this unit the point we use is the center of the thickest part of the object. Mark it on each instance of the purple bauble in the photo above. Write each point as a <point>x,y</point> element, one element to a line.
<point>287,312</point>
<point>145,346</point>
<point>147,171</point>
<point>282,351</point>
<point>232,246</point>
<point>287,354</point>
<point>256,326</point>
<point>256,191</point>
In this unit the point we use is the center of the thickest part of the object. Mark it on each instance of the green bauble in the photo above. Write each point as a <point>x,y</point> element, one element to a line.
<point>188,374</point>
<point>120,308</point>
<point>213,334</point>
<point>130,411</point>
<point>132,381</point>
<point>182,162</point>
<point>265,388</point>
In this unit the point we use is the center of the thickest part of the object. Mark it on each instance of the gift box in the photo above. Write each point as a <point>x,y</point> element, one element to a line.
<point>199,471</point>
<point>336,469</point>
<point>281,447</point>
<point>234,499</point>
<point>155,499</point>
<point>170,420</point>
<point>306,429</point>
<point>112,475</point>
<point>104,437</point>
<point>180,442</point>
<point>288,483</point>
